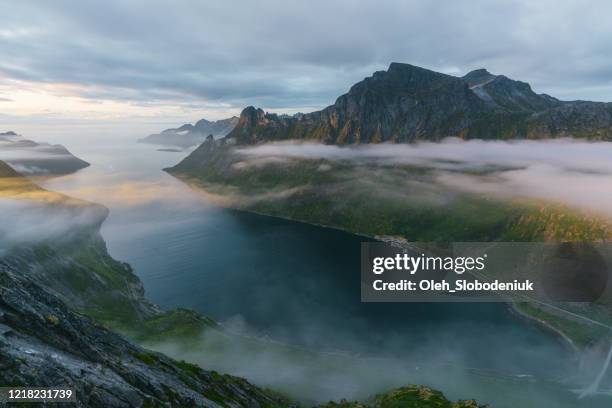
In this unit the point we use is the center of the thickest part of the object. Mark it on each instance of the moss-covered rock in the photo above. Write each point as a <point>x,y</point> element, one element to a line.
<point>411,396</point>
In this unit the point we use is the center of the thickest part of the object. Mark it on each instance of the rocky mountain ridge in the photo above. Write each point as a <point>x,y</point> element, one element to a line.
<point>191,135</point>
<point>408,103</point>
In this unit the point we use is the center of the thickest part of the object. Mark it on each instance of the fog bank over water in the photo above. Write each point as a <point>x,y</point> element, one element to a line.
<point>38,221</point>
<point>568,171</point>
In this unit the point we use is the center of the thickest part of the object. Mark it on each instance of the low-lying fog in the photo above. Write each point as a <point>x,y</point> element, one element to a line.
<point>23,154</point>
<point>38,221</point>
<point>577,173</point>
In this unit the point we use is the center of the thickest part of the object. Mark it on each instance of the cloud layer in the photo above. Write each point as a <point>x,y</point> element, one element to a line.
<point>295,55</point>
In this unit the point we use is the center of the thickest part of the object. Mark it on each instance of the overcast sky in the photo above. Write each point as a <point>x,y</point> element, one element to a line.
<point>182,60</point>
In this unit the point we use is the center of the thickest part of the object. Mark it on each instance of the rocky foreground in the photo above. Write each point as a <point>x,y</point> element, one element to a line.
<point>44,344</point>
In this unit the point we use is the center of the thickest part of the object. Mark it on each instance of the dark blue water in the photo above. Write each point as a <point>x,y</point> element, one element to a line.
<point>300,284</point>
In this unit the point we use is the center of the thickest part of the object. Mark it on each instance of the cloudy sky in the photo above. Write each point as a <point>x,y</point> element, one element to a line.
<point>180,60</point>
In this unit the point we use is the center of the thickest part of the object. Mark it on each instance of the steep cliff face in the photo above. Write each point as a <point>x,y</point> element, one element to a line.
<point>66,253</point>
<point>81,273</point>
<point>407,103</point>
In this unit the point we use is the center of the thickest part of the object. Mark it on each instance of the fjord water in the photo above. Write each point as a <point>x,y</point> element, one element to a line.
<point>299,284</point>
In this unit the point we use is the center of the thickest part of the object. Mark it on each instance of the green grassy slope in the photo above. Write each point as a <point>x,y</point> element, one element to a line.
<point>406,397</point>
<point>379,200</point>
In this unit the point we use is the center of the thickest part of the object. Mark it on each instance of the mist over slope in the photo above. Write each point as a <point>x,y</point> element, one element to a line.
<point>31,214</point>
<point>566,171</point>
<point>455,190</point>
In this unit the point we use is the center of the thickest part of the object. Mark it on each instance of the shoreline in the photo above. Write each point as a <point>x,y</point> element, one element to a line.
<point>394,241</point>
<point>545,325</point>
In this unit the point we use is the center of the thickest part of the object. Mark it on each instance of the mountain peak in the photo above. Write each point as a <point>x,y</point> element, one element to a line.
<point>478,72</point>
<point>478,77</point>
<point>408,71</point>
<point>387,106</point>
<point>501,92</point>
<point>407,103</point>
<point>252,115</point>
<point>401,67</point>
<point>404,79</point>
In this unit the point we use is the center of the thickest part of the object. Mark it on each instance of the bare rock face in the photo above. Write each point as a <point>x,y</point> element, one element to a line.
<point>45,344</point>
<point>408,103</point>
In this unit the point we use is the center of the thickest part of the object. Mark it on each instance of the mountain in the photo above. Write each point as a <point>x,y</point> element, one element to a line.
<point>191,135</point>
<point>408,103</point>
<point>7,171</point>
<point>32,158</point>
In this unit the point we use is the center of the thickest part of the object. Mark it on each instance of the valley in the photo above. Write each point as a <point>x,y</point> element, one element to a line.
<point>399,204</point>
